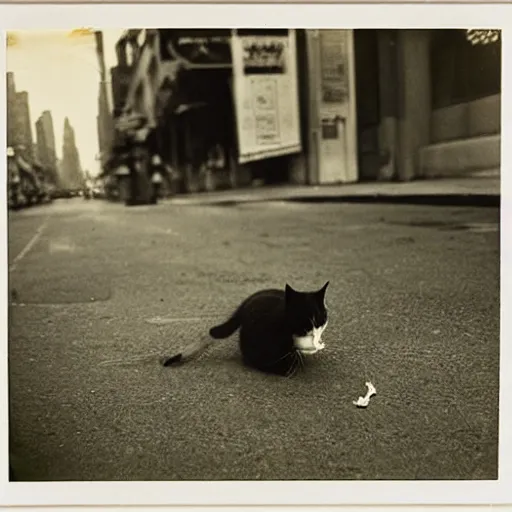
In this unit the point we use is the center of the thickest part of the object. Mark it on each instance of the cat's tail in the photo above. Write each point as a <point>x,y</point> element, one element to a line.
<point>195,349</point>
<point>227,328</point>
<point>190,352</point>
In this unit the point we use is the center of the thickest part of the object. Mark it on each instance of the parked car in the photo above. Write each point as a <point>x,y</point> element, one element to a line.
<point>27,181</point>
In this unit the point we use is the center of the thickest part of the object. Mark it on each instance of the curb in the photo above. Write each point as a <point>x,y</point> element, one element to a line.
<point>475,200</point>
<point>481,200</point>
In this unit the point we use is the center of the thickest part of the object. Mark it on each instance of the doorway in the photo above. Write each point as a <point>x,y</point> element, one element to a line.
<point>366,53</point>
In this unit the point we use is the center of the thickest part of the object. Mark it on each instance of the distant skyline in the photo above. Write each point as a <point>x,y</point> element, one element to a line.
<point>45,142</point>
<point>60,73</point>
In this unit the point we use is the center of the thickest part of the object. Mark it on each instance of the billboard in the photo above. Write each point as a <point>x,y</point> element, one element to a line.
<point>266,97</point>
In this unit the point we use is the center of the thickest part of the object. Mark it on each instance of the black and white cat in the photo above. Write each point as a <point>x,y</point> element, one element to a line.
<point>276,328</point>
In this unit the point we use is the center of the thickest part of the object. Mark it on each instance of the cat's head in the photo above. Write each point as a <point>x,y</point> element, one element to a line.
<point>306,315</point>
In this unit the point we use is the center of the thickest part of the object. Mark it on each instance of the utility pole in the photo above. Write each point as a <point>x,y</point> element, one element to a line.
<point>105,121</point>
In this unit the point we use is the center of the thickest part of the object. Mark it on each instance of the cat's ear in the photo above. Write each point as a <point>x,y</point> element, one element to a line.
<point>289,292</point>
<point>321,292</point>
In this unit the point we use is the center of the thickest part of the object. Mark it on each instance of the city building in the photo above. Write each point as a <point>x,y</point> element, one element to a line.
<point>411,104</point>
<point>126,49</point>
<point>176,108</point>
<point>27,181</point>
<point>19,128</point>
<point>231,107</point>
<point>427,103</point>
<point>464,125</point>
<point>46,150</point>
<point>11,109</point>
<point>71,174</point>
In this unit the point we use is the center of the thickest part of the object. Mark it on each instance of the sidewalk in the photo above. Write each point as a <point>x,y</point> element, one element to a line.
<point>484,191</point>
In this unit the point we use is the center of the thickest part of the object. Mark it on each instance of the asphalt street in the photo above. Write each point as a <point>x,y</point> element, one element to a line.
<point>99,292</point>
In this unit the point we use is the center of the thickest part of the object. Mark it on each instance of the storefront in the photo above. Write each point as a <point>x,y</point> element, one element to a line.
<point>465,122</point>
<point>230,106</point>
<point>427,103</point>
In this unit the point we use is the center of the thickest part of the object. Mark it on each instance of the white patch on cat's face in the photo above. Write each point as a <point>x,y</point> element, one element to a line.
<point>311,342</point>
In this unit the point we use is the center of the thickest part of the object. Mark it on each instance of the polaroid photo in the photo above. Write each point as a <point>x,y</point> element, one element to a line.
<point>255,254</point>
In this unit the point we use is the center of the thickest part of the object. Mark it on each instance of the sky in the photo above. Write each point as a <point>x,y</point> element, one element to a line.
<point>60,72</point>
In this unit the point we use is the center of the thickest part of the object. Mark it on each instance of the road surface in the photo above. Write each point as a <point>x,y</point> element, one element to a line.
<point>99,292</point>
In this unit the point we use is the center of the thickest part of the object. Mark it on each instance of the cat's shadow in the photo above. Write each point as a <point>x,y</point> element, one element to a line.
<point>313,368</point>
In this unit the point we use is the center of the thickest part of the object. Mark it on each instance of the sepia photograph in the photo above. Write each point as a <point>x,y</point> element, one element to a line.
<point>253,254</point>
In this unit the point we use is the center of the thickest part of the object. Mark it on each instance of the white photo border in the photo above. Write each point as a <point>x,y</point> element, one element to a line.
<point>434,15</point>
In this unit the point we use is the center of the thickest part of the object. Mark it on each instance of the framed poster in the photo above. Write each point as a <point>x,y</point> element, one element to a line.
<point>265,93</point>
<point>333,65</point>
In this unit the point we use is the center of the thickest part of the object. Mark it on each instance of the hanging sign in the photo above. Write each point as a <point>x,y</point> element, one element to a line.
<point>265,93</point>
